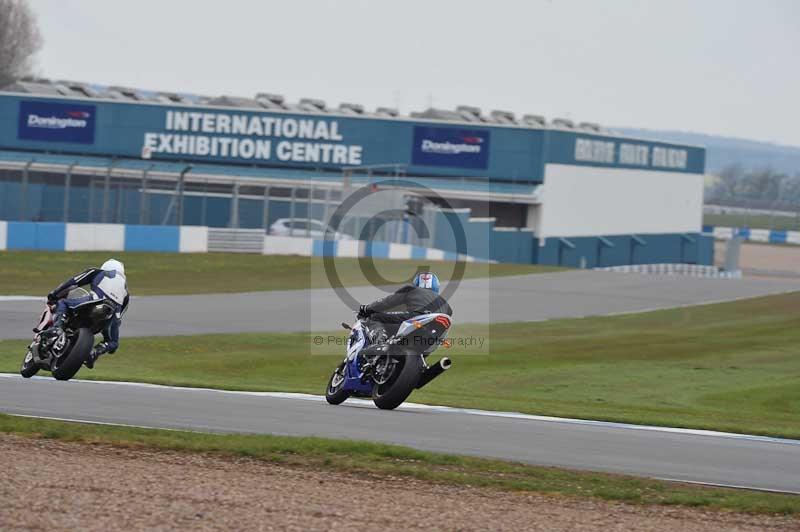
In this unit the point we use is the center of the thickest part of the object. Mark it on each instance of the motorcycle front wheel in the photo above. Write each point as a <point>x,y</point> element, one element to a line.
<point>335,394</point>
<point>29,367</point>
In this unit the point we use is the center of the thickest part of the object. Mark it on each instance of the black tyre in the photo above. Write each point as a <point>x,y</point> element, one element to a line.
<point>392,393</point>
<point>72,361</point>
<point>29,367</point>
<point>335,393</point>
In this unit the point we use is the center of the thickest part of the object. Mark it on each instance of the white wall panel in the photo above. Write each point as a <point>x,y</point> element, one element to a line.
<point>95,237</point>
<point>3,235</point>
<point>288,245</point>
<point>348,248</point>
<point>193,239</point>
<point>434,254</point>
<point>400,251</point>
<point>759,235</point>
<point>586,201</point>
<point>723,233</point>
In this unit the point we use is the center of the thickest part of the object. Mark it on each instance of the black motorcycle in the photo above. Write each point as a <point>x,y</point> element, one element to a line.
<point>64,351</point>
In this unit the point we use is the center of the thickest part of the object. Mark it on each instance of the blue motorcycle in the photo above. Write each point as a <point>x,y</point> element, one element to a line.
<point>388,370</point>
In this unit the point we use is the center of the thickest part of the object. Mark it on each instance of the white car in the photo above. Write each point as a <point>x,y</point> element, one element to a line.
<point>303,227</point>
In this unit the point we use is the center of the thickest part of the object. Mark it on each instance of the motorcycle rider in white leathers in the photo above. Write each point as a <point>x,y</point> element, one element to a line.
<point>107,282</point>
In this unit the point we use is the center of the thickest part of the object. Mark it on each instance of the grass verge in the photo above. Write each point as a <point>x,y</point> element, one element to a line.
<point>732,366</point>
<point>38,272</point>
<point>753,221</point>
<point>381,459</point>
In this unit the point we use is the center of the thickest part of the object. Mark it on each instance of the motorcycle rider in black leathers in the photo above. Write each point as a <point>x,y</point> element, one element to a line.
<point>420,297</point>
<point>107,282</point>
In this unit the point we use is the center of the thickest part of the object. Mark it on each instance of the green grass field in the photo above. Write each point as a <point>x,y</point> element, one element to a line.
<point>759,221</point>
<point>732,366</point>
<point>36,273</point>
<point>365,458</point>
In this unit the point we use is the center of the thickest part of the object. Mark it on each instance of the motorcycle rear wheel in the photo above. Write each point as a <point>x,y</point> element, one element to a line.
<point>73,360</point>
<point>390,395</point>
<point>335,393</point>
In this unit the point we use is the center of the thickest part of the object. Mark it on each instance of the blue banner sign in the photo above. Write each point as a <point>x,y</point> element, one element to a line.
<point>57,122</point>
<point>595,150</point>
<point>456,148</point>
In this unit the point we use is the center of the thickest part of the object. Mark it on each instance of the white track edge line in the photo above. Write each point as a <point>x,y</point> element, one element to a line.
<point>729,486</point>
<point>444,410</point>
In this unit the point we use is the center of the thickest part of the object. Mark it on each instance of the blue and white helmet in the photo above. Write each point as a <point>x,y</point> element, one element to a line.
<point>427,280</point>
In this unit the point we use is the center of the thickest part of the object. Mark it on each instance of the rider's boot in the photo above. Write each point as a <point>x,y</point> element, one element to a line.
<point>90,360</point>
<point>56,328</point>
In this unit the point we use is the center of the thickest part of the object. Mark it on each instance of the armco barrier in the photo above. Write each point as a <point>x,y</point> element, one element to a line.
<point>687,270</point>
<point>234,240</point>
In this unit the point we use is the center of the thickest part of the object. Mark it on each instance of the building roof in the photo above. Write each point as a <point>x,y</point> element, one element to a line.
<point>276,102</point>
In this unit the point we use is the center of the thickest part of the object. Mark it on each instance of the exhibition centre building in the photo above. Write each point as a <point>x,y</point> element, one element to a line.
<point>522,189</point>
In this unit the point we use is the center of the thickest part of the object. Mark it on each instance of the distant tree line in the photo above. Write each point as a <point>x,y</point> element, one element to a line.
<point>759,188</point>
<point>19,40</point>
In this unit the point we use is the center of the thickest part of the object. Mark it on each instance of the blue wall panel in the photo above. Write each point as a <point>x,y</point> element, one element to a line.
<point>658,249</point>
<point>513,246</point>
<point>778,237</point>
<point>325,248</point>
<point>418,252</point>
<point>41,236</point>
<point>705,253</point>
<point>379,250</point>
<point>21,235</point>
<point>152,238</point>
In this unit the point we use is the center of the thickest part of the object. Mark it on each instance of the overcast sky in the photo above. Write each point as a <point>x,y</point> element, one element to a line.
<point>726,67</point>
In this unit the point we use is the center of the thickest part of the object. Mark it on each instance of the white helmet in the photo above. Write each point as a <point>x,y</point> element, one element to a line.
<point>113,265</point>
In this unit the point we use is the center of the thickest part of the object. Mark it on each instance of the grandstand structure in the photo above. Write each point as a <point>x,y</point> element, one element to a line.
<point>525,189</point>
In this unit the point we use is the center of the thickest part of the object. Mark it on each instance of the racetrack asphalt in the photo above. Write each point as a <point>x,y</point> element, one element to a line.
<point>500,299</point>
<point>675,454</point>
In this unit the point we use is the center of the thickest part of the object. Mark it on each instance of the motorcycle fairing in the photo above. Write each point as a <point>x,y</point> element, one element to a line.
<point>359,339</point>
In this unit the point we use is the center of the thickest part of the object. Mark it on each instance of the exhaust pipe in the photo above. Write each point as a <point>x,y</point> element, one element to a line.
<point>434,371</point>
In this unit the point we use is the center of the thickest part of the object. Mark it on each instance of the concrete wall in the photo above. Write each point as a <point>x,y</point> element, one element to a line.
<point>754,235</point>
<point>585,201</point>
<point>55,236</point>
<point>190,239</point>
<point>193,239</point>
<point>90,237</point>
<point>616,250</point>
<point>482,239</point>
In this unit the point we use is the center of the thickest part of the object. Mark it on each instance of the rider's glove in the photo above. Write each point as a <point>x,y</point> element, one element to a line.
<point>99,349</point>
<point>51,298</point>
<point>364,312</point>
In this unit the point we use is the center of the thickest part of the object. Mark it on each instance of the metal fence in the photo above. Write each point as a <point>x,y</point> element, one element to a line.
<point>111,194</point>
